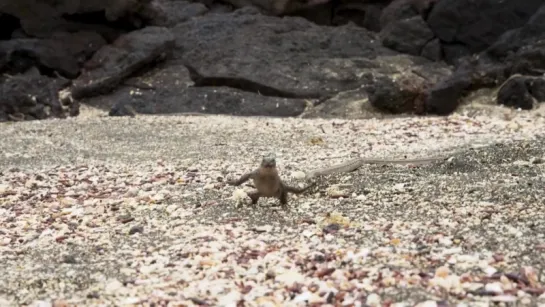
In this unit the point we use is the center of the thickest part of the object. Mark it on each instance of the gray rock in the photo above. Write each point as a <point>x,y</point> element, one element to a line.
<point>112,64</point>
<point>407,35</point>
<point>29,96</point>
<point>477,24</point>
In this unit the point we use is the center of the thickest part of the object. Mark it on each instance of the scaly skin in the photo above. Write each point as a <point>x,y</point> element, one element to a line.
<point>268,183</point>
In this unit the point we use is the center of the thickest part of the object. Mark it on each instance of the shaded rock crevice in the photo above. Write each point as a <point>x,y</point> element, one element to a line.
<point>244,85</point>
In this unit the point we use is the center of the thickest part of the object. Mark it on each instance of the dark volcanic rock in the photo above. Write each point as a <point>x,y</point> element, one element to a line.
<point>397,10</point>
<point>477,24</point>
<point>112,64</point>
<point>290,57</point>
<point>522,92</point>
<point>62,53</point>
<point>41,18</point>
<point>536,86</point>
<point>453,52</point>
<point>393,85</point>
<point>515,93</point>
<point>407,35</point>
<point>166,90</point>
<point>365,15</point>
<point>444,97</point>
<point>210,100</point>
<point>324,14</point>
<point>175,12</point>
<point>405,9</point>
<point>33,96</point>
<point>432,50</point>
<point>239,63</point>
<point>529,34</point>
<point>245,63</point>
<point>399,96</point>
<point>523,53</point>
<point>407,91</point>
<point>275,7</point>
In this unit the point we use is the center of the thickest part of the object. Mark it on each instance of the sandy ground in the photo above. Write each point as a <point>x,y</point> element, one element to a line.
<point>99,211</point>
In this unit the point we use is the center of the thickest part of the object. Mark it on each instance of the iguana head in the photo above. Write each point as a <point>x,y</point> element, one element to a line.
<point>269,160</point>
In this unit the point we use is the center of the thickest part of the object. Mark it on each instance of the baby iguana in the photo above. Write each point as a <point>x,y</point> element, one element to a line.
<point>268,182</point>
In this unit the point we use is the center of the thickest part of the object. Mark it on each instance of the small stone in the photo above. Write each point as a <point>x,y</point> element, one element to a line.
<point>299,175</point>
<point>112,285</point>
<point>131,301</point>
<point>490,270</point>
<point>361,197</point>
<point>239,195</point>
<point>41,304</point>
<point>5,241</point>
<point>373,300</point>
<point>400,187</point>
<point>442,272</point>
<point>263,228</point>
<point>4,188</point>
<point>494,287</point>
<point>302,298</point>
<point>288,278</point>
<point>69,259</point>
<point>504,298</point>
<point>230,299</point>
<point>445,241</point>
<point>125,219</point>
<point>427,304</point>
<point>136,229</point>
<point>270,274</point>
<point>132,192</point>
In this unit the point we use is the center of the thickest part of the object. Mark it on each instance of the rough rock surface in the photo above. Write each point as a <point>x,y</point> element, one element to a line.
<point>176,12</point>
<point>291,58</point>
<point>314,59</point>
<point>113,63</point>
<point>477,24</point>
<point>408,35</point>
<point>393,85</point>
<point>41,18</point>
<point>258,65</point>
<point>31,96</point>
<point>63,53</point>
<point>522,92</point>
<point>520,51</point>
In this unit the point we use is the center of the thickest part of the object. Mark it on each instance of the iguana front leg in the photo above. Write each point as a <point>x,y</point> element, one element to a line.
<point>242,179</point>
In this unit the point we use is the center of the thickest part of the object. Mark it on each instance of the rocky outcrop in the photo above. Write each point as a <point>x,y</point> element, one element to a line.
<point>42,18</point>
<point>476,25</point>
<point>518,51</point>
<point>522,92</point>
<point>112,64</point>
<point>409,35</point>
<point>31,96</point>
<point>63,53</point>
<point>315,58</point>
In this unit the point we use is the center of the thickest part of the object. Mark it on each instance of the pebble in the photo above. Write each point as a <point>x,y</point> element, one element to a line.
<point>373,300</point>
<point>290,277</point>
<point>112,286</point>
<point>494,287</point>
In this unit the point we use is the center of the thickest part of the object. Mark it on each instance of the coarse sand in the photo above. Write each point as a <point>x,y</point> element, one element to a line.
<point>100,211</point>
